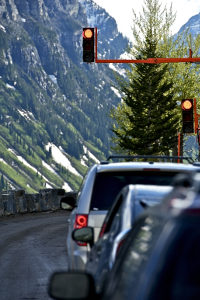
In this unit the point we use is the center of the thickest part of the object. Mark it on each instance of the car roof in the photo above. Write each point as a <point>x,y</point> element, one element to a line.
<point>145,188</point>
<point>181,200</point>
<point>138,166</point>
<point>147,192</point>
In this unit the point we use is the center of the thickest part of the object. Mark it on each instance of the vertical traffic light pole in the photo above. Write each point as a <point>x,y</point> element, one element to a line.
<point>196,124</point>
<point>95,44</point>
<point>196,117</point>
<point>179,146</point>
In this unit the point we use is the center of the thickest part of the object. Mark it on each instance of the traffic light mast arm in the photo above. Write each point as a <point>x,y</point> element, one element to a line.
<point>148,60</point>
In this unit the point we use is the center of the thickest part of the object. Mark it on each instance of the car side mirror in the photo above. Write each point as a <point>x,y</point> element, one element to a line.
<point>84,234</point>
<point>71,285</point>
<point>69,201</point>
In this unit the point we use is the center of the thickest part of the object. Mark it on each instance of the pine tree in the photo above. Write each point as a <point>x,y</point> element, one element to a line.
<point>147,119</point>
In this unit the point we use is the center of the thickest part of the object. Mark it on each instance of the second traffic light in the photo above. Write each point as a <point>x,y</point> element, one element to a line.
<point>88,45</point>
<point>187,115</point>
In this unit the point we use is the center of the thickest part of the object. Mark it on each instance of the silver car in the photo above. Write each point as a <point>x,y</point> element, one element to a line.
<point>99,189</point>
<point>159,258</point>
<point>129,204</point>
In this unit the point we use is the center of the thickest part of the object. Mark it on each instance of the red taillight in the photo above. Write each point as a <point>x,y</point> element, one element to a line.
<point>81,221</point>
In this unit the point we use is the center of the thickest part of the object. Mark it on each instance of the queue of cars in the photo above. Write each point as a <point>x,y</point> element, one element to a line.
<point>130,202</point>
<point>99,190</point>
<point>132,230</point>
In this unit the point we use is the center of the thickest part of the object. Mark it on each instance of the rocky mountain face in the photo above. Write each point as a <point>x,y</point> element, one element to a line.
<point>193,24</point>
<point>54,109</point>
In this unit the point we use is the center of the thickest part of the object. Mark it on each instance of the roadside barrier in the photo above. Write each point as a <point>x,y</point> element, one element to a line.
<point>18,202</point>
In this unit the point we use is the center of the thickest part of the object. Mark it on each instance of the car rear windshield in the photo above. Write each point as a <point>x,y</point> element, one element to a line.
<point>108,184</point>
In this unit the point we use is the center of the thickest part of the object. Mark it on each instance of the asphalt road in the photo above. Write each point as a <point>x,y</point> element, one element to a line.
<point>32,247</point>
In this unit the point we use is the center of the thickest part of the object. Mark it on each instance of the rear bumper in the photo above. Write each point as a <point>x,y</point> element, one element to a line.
<point>77,257</point>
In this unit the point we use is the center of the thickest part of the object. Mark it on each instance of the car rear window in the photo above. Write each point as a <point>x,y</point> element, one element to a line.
<point>108,184</point>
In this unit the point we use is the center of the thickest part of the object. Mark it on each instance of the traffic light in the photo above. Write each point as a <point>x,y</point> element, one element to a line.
<point>187,115</point>
<point>88,45</point>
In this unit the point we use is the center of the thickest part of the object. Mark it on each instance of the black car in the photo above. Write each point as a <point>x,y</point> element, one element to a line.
<point>160,258</point>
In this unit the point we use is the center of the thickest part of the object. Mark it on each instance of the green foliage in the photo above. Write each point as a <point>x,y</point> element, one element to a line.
<point>148,119</point>
<point>185,76</point>
<point>16,178</point>
<point>78,166</point>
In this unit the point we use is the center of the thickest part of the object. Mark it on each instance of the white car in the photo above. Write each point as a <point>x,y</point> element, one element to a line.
<point>99,189</point>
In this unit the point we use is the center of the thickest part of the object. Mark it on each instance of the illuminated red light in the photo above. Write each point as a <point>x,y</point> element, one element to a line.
<point>81,221</point>
<point>187,104</point>
<point>88,33</point>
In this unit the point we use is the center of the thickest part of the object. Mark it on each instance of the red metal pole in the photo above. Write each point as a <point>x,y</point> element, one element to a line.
<point>152,60</point>
<point>195,116</point>
<point>179,146</point>
<point>95,44</point>
<point>159,60</point>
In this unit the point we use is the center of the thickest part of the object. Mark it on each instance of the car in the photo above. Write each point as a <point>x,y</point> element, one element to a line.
<point>99,189</point>
<point>129,204</point>
<point>158,260</point>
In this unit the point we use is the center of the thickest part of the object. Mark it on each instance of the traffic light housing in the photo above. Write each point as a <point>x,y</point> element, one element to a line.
<point>88,45</point>
<point>187,115</point>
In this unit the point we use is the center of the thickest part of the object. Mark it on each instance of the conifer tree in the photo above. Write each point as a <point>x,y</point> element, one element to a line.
<point>147,120</point>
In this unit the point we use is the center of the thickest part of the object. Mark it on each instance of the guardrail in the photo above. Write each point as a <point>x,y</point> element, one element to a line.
<point>18,202</point>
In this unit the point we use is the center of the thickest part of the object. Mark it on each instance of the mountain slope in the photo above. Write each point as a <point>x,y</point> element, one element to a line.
<point>51,102</point>
<point>193,24</point>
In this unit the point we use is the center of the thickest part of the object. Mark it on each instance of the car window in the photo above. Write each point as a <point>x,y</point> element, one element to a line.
<point>112,213</point>
<point>108,184</point>
<point>116,224</point>
<point>140,243</point>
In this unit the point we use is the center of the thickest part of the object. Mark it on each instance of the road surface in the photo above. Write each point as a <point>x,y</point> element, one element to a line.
<point>32,246</point>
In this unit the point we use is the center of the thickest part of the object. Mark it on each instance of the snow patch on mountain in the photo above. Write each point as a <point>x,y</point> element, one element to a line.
<point>65,185</point>
<point>26,114</point>
<point>48,167</point>
<point>116,68</point>
<point>53,78</point>
<point>22,160</point>
<point>59,156</point>
<point>116,91</point>
<point>87,152</point>
<point>2,160</point>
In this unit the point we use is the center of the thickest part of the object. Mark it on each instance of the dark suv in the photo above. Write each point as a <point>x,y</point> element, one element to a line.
<point>160,258</point>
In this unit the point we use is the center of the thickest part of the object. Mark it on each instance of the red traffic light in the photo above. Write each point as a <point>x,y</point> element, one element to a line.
<point>187,115</point>
<point>186,104</point>
<point>88,45</point>
<point>88,33</point>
